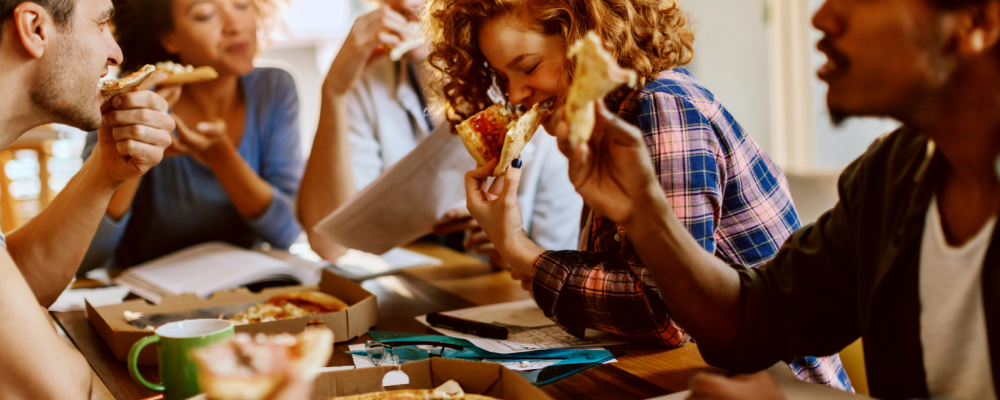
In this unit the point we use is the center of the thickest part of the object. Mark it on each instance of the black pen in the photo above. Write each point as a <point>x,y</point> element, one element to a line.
<point>466,326</point>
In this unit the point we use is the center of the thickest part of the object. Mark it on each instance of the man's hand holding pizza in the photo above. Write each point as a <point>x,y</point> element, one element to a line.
<point>134,133</point>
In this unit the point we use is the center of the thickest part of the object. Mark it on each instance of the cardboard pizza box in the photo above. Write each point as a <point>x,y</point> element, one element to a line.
<point>475,377</point>
<point>361,314</point>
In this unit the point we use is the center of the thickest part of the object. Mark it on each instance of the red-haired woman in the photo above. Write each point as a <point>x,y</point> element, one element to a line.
<point>728,193</point>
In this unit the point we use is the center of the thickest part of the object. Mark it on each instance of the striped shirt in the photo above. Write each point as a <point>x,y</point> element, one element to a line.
<point>731,197</point>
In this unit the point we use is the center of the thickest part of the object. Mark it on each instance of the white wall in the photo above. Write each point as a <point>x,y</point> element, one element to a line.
<point>731,59</point>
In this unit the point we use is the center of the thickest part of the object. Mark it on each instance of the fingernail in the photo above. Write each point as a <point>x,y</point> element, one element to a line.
<point>516,163</point>
<point>116,102</point>
<point>204,126</point>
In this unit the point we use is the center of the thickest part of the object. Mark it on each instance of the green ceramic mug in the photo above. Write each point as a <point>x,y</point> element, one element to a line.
<point>178,373</point>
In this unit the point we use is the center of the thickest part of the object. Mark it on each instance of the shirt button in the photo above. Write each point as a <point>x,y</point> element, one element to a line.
<point>618,238</point>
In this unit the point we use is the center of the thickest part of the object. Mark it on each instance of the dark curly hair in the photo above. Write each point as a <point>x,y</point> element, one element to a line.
<point>139,25</point>
<point>647,36</point>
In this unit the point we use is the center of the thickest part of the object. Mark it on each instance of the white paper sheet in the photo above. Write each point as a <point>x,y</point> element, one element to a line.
<point>359,265</point>
<point>529,329</point>
<point>73,299</point>
<point>407,200</point>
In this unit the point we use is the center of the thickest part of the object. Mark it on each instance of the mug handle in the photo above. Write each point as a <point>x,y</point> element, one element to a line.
<point>133,360</point>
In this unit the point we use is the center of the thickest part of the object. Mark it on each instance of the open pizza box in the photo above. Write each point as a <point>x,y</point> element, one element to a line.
<point>348,324</point>
<point>475,377</point>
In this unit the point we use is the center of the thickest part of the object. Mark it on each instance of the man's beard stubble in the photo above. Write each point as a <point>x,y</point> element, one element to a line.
<point>62,89</point>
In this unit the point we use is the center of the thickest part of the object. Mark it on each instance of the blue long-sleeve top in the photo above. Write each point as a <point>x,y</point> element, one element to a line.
<point>180,202</point>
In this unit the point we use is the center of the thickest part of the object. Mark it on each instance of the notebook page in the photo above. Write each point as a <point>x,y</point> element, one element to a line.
<point>206,268</point>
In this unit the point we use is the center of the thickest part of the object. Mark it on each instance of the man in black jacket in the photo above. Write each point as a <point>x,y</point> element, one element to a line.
<point>907,259</point>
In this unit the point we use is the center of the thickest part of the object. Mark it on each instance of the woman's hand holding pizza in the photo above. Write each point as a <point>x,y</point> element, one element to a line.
<point>198,142</point>
<point>611,171</point>
<point>496,209</point>
<point>371,36</point>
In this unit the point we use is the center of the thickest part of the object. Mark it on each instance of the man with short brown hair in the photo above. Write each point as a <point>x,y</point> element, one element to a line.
<point>52,55</point>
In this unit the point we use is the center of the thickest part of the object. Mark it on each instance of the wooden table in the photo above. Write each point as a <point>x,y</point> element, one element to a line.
<point>462,282</point>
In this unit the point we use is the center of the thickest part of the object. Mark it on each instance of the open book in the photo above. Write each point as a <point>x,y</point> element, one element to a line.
<point>207,268</point>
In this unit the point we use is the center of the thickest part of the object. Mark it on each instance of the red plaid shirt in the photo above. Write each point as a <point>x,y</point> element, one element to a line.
<point>733,200</point>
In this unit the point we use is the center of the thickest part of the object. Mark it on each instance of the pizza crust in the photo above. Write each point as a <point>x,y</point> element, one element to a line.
<point>519,136</point>
<point>252,368</point>
<point>200,74</point>
<point>596,74</point>
<point>111,88</point>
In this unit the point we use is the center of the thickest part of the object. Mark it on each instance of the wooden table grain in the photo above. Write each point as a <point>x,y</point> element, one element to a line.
<point>461,282</point>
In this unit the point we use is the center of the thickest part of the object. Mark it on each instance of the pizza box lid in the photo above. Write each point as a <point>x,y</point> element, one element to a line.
<point>361,314</point>
<point>474,376</point>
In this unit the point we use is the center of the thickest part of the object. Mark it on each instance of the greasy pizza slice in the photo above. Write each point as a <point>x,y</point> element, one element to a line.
<point>596,74</point>
<point>485,132</point>
<point>290,305</point>
<point>113,87</point>
<point>495,132</point>
<point>252,368</point>
<point>179,74</point>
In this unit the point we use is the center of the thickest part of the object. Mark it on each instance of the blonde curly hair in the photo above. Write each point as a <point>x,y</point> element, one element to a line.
<point>647,36</point>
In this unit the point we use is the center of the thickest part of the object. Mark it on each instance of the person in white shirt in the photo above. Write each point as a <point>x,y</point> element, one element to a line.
<point>387,115</point>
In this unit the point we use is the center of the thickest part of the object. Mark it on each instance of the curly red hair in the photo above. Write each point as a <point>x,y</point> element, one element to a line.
<point>647,36</point>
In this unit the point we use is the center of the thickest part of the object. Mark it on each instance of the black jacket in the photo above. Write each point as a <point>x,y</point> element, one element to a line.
<point>855,273</point>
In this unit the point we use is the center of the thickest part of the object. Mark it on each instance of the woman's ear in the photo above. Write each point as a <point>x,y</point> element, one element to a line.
<point>169,43</point>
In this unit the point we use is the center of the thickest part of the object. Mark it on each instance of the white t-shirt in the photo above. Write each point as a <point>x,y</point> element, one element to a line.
<point>952,317</point>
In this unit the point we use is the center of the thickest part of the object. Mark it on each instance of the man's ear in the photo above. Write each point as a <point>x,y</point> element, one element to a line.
<point>980,29</point>
<point>169,43</point>
<point>34,26</point>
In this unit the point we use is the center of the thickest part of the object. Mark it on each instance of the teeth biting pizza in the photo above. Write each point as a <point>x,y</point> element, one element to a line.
<point>112,87</point>
<point>498,133</point>
<point>178,74</point>
<point>596,74</point>
<point>252,368</point>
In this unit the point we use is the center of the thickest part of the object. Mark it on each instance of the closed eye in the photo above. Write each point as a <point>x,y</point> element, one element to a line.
<point>532,69</point>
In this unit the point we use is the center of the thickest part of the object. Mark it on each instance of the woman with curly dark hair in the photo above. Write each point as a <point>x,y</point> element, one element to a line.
<point>236,162</point>
<point>727,192</point>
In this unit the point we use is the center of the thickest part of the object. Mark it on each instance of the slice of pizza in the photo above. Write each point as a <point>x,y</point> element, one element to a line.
<point>179,74</point>
<point>113,87</point>
<point>253,367</point>
<point>596,74</point>
<point>496,132</point>
<point>290,305</point>
<point>450,390</point>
